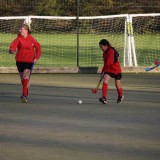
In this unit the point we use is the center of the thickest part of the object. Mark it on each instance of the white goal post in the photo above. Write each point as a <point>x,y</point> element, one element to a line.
<point>145,38</point>
<point>135,36</point>
<point>91,31</point>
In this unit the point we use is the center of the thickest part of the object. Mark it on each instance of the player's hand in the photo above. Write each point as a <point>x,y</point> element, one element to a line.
<point>102,74</point>
<point>35,61</point>
<point>156,62</point>
<point>12,52</point>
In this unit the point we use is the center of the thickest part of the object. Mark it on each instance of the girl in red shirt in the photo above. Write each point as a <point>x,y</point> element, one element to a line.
<point>28,51</point>
<point>111,69</point>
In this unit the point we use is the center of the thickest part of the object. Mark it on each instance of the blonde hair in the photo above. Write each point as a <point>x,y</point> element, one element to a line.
<point>26,27</point>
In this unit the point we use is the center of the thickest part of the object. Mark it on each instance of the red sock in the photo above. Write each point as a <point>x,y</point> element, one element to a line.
<point>104,89</point>
<point>119,92</point>
<point>25,87</point>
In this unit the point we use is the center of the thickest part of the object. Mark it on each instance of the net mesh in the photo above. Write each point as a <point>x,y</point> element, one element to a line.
<point>58,38</point>
<point>92,31</point>
<point>8,32</point>
<point>147,39</point>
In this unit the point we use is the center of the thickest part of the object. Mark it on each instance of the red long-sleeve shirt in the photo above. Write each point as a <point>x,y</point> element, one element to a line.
<point>27,48</point>
<point>109,65</point>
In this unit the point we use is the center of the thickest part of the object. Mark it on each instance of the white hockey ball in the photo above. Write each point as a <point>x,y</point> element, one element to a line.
<point>80,101</point>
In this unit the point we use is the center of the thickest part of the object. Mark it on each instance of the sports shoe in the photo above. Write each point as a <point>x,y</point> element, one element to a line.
<point>120,98</point>
<point>24,99</point>
<point>103,100</point>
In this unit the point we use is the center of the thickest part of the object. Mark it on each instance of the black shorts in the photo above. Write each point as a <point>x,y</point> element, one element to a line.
<point>21,66</point>
<point>115,76</point>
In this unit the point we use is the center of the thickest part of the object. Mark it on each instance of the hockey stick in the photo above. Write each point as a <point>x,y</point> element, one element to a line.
<point>157,64</point>
<point>94,90</point>
<point>149,69</point>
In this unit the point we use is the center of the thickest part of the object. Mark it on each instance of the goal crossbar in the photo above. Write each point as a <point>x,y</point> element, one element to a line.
<point>128,33</point>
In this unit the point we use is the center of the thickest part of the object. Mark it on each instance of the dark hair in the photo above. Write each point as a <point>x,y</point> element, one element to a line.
<point>104,42</point>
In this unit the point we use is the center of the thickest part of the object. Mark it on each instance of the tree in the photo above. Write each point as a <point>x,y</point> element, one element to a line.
<point>69,7</point>
<point>47,8</point>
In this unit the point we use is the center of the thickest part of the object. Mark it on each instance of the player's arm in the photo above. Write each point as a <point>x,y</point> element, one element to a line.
<point>110,59</point>
<point>38,51</point>
<point>13,46</point>
<point>103,68</point>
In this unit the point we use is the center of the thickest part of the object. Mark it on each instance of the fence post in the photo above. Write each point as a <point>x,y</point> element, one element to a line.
<point>77,33</point>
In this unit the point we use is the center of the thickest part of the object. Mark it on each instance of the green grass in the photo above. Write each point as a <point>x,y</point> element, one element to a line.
<point>61,49</point>
<point>147,48</point>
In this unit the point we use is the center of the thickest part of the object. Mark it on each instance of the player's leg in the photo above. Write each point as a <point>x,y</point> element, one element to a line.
<point>25,79</point>
<point>106,79</point>
<point>23,97</point>
<point>119,88</point>
<point>21,77</point>
<point>26,75</point>
<point>21,67</point>
<point>24,71</point>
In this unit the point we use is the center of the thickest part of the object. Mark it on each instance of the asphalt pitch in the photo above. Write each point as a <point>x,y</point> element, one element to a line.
<point>53,126</point>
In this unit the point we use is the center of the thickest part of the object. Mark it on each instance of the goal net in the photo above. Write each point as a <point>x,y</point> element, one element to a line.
<point>8,32</point>
<point>59,35</point>
<point>92,30</point>
<point>146,31</point>
<point>72,41</point>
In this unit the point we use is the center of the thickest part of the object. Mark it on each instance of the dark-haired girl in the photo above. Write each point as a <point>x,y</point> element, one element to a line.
<point>111,69</point>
